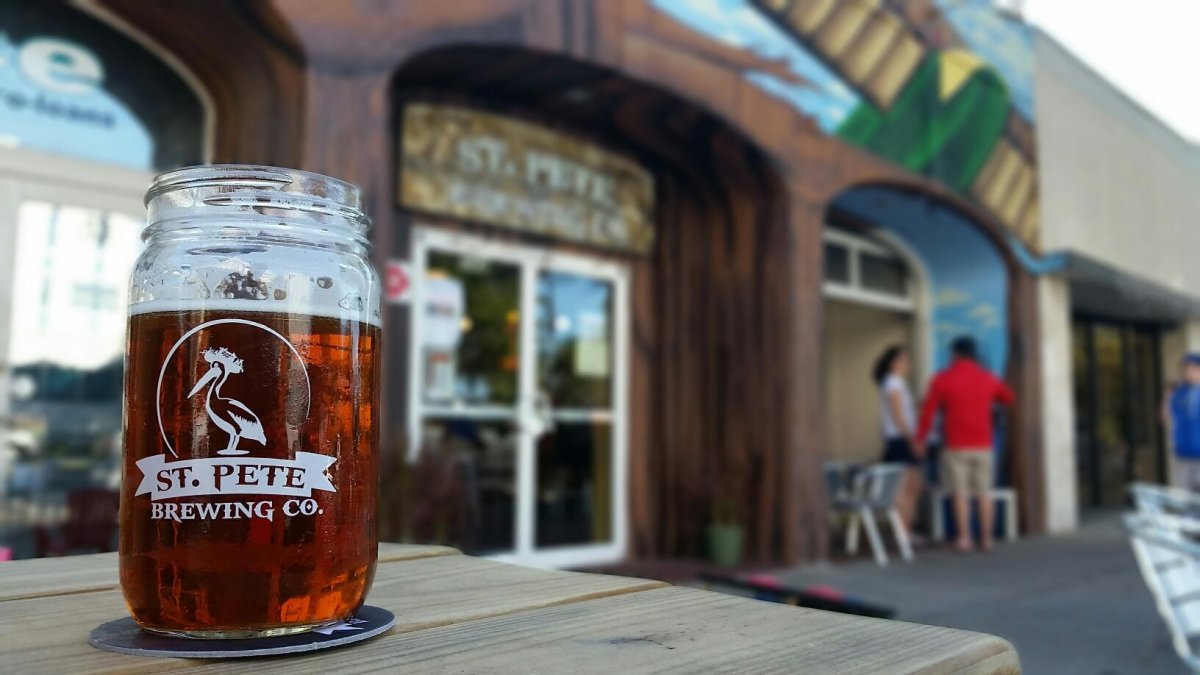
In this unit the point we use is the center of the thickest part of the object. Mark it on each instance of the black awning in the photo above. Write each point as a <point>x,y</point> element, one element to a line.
<point>1101,290</point>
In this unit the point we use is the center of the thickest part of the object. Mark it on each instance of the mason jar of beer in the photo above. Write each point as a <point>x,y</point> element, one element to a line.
<point>251,405</point>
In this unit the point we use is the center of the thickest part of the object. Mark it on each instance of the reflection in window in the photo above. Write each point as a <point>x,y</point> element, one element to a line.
<point>883,274</point>
<point>465,484</point>
<point>470,335</point>
<point>574,484</point>
<point>837,263</point>
<point>574,325</point>
<point>71,268</point>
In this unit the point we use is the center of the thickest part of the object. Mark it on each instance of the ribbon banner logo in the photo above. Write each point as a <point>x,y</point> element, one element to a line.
<point>164,479</point>
<point>214,402</point>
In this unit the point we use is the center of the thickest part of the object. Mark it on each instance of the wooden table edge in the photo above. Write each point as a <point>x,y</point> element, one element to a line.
<point>1004,662</point>
<point>387,554</point>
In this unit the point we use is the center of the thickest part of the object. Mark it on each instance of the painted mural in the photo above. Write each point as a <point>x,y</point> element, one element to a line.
<point>966,274</point>
<point>942,88</point>
<point>967,277</point>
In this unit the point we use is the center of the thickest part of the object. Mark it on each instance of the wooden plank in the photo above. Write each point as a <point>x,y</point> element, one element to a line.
<point>669,629</point>
<point>425,593</point>
<point>86,573</point>
<point>49,633</point>
<point>53,576</point>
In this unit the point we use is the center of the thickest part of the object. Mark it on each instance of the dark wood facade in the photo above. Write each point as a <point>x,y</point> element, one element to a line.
<point>725,372</point>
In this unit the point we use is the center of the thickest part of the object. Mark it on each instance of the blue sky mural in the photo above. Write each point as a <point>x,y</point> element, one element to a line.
<point>817,91</point>
<point>968,276</point>
<point>951,104</point>
<point>1005,43</point>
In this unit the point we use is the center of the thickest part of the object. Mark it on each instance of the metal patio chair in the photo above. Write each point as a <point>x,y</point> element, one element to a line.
<point>1151,498</point>
<point>860,496</point>
<point>1168,555</point>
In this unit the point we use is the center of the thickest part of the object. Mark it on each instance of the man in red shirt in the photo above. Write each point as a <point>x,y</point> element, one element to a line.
<point>964,394</point>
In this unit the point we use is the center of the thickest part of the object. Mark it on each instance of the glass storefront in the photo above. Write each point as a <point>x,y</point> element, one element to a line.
<point>88,114</point>
<point>1117,395</point>
<point>72,251</point>
<point>518,374</point>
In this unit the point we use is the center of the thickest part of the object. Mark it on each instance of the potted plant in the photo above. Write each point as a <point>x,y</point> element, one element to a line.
<point>724,534</point>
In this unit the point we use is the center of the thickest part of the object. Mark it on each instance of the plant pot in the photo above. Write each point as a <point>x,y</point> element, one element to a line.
<point>725,544</point>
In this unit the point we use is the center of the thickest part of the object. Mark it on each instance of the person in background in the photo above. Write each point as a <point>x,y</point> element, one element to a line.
<point>1183,419</point>
<point>899,427</point>
<point>964,394</point>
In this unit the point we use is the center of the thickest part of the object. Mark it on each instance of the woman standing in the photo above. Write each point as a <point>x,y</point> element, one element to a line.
<point>899,426</point>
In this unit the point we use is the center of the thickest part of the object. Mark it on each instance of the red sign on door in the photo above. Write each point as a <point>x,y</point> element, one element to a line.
<point>397,282</point>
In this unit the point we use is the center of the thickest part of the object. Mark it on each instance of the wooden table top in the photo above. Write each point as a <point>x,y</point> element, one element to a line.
<point>456,613</point>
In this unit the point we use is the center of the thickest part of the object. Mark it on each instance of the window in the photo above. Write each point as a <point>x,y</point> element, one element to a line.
<point>837,263</point>
<point>882,274</point>
<point>866,270</point>
<point>61,411</point>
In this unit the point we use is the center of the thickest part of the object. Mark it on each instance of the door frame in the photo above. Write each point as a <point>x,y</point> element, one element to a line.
<point>530,260</point>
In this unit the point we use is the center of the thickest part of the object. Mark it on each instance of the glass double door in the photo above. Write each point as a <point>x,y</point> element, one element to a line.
<point>519,391</point>
<point>1117,398</point>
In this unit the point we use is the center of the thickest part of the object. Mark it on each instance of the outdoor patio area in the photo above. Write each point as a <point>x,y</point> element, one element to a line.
<point>1070,604</point>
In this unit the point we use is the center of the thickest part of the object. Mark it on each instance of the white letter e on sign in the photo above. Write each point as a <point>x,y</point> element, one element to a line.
<point>60,66</point>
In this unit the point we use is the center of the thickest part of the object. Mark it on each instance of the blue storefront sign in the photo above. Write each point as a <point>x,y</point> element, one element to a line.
<point>52,98</point>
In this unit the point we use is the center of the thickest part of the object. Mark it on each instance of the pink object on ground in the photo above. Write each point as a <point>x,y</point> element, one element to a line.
<point>764,580</point>
<point>5,554</point>
<point>827,592</point>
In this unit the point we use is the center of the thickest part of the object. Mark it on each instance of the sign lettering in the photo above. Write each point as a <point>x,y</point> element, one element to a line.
<point>163,478</point>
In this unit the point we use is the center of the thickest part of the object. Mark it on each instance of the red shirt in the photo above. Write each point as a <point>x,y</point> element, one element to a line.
<point>964,393</point>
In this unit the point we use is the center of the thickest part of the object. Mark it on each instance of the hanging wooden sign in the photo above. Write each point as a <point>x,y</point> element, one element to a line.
<point>485,167</point>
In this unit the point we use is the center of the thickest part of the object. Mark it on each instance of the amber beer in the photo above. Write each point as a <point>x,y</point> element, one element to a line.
<point>250,465</point>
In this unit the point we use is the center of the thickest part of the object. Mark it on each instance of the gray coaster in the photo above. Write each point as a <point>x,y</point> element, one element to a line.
<point>124,636</point>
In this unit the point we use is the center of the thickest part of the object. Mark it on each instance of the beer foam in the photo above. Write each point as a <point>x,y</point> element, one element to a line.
<point>368,314</point>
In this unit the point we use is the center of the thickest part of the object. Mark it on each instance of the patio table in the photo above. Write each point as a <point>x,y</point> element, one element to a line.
<point>457,613</point>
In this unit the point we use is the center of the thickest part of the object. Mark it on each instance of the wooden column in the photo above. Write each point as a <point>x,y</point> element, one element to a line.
<point>805,510</point>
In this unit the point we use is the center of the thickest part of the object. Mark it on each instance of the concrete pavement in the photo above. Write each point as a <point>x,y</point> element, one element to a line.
<point>1070,604</point>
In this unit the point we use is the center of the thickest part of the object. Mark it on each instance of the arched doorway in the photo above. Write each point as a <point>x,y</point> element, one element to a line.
<point>936,274</point>
<point>876,292</point>
<point>695,429</point>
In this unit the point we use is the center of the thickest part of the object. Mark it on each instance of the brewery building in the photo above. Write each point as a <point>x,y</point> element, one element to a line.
<point>638,255</point>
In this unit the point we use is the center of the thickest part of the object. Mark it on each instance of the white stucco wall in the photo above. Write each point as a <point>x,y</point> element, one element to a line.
<point>1116,184</point>
<point>1058,405</point>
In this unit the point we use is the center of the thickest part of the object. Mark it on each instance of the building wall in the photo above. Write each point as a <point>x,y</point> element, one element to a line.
<point>853,331</point>
<point>1119,187</point>
<point>1058,433</point>
<point>1116,184</point>
<point>335,68</point>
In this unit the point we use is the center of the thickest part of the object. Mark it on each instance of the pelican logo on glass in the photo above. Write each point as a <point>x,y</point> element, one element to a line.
<point>216,412</point>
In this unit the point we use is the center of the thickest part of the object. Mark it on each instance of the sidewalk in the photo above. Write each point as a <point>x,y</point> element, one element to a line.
<point>1071,604</point>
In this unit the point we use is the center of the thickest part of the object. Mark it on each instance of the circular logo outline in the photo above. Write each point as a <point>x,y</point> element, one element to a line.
<point>216,322</point>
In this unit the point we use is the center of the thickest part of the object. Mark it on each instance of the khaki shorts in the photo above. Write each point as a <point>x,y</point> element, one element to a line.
<point>967,471</point>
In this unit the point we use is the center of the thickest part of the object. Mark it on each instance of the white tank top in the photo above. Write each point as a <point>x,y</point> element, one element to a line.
<point>891,430</point>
